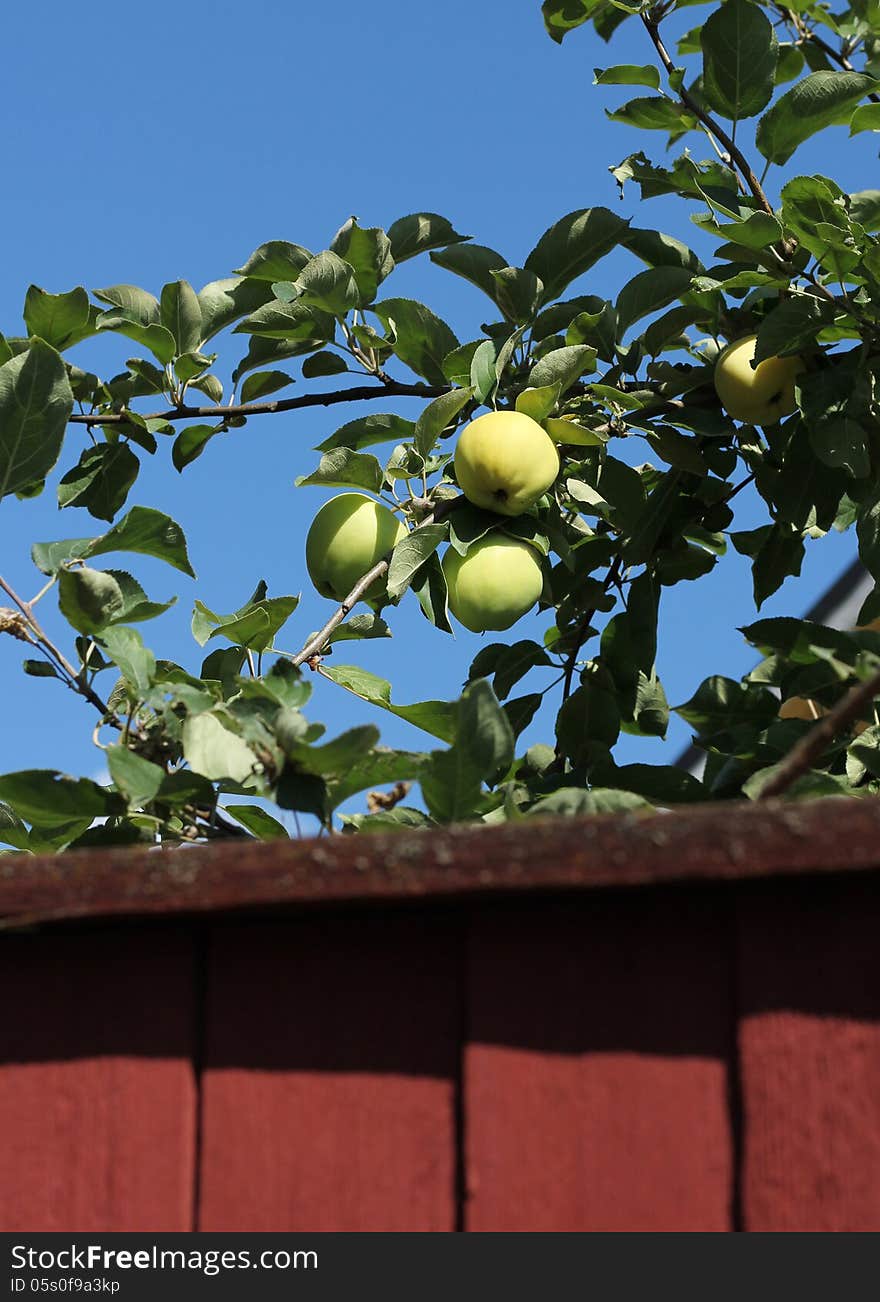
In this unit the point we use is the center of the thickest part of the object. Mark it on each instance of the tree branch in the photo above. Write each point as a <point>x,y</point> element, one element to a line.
<point>72,678</point>
<point>360,393</point>
<point>800,759</point>
<point>807,34</point>
<point>315,645</point>
<point>736,154</point>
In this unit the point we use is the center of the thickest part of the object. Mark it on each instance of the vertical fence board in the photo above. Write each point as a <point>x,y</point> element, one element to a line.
<point>97,1095</point>
<point>596,1073</point>
<point>809,961</point>
<point>330,1075</point>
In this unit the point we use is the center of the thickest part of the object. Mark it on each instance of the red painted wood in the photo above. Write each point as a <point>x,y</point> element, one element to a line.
<point>809,959</point>
<point>330,1074</point>
<point>97,1094</point>
<point>596,1072</point>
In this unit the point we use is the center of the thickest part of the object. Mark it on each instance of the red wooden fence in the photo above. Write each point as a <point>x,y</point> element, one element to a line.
<point>669,1023</point>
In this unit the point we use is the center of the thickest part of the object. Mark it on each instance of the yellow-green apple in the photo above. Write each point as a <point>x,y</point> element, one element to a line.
<point>758,395</point>
<point>504,461</point>
<point>495,584</point>
<point>348,536</point>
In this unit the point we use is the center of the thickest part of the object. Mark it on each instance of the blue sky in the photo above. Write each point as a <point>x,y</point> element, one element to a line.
<point>170,142</point>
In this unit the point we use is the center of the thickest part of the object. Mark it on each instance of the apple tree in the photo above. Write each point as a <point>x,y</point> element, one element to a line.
<point>574,453</point>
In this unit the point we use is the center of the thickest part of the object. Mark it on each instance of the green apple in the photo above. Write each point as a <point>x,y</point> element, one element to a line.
<point>758,395</point>
<point>348,536</point>
<point>505,461</point>
<point>495,584</point>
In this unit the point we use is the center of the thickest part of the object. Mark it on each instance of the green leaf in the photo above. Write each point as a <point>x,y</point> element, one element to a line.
<point>411,553</point>
<point>212,750</point>
<point>373,769</point>
<point>792,326</point>
<point>263,383</point>
<point>255,625</point>
<point>136,607</point>
<point>484,375</point>
<point>821,99</point>
<point>538,403</point>
<point>358,628</point>
<point>327,282</point>
<point>562,367</point>
<point>868,531</point>
<point>137,778</point>
<point>434,717</point>
<point>437,415</point>
<point>572,245</point>
<point>48,799</point>
<point>574,802</point>
<point>190,444</point>
<point>473,262</point>
<point>740,52</point>
<point>522,710</point>
<point>420,232</point>
<point>562,16</point>
<point>628,74</point>
<point>423,340</point>
<point>780,554</point>
<point>429,585</point>
<point>518,293</point>
<point>323,363</point>
<point>136,662</point>
<point>101,480</point>
<point>61,320</point>
<point>659,249</point>
<point>758,231</point>
<point>514,662</point>
<point>588,723</point>
<point>654,113</point>
<point>154,337</point>
<point>301,327</point>
<point>384,427</point>
<point>368,252</point>
<point>223,301</point>
<point>648,291</point>
<point>263,826</point>
<point>662,784</point>
<point>89,599</point>
<point>181,315</point>
<point>276,260</point>
<point>343,467</point>
<point>865,118</point>
<point>483,751</point>
<point>136,305</point>
<point>35,405</point>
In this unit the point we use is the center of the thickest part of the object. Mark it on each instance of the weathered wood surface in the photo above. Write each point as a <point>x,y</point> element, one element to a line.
<point>330,1076</point>
<point>97,1083</point>
<point>597,1063</point>
<point>712,842</point>
<point>476,1039</point>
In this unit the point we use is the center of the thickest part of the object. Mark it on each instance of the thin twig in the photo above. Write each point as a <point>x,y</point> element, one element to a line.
<point>581,631</point>
<point>77,683</point>
<point>736,154</point>
<point>800,759</point>
<point>315,645</point>
<point>807,34</point>
<point>360,393</point>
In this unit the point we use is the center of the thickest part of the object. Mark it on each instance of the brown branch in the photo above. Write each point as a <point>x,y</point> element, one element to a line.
<point>360,393</point>
<point>72,678</point>
<point>800,759</point>
<point>315,645</point>
<point>581,631</point>
<point>807,34</point>
<point>736,154</point>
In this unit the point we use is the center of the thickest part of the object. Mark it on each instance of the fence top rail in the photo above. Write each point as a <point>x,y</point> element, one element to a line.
<point>708,843</point>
